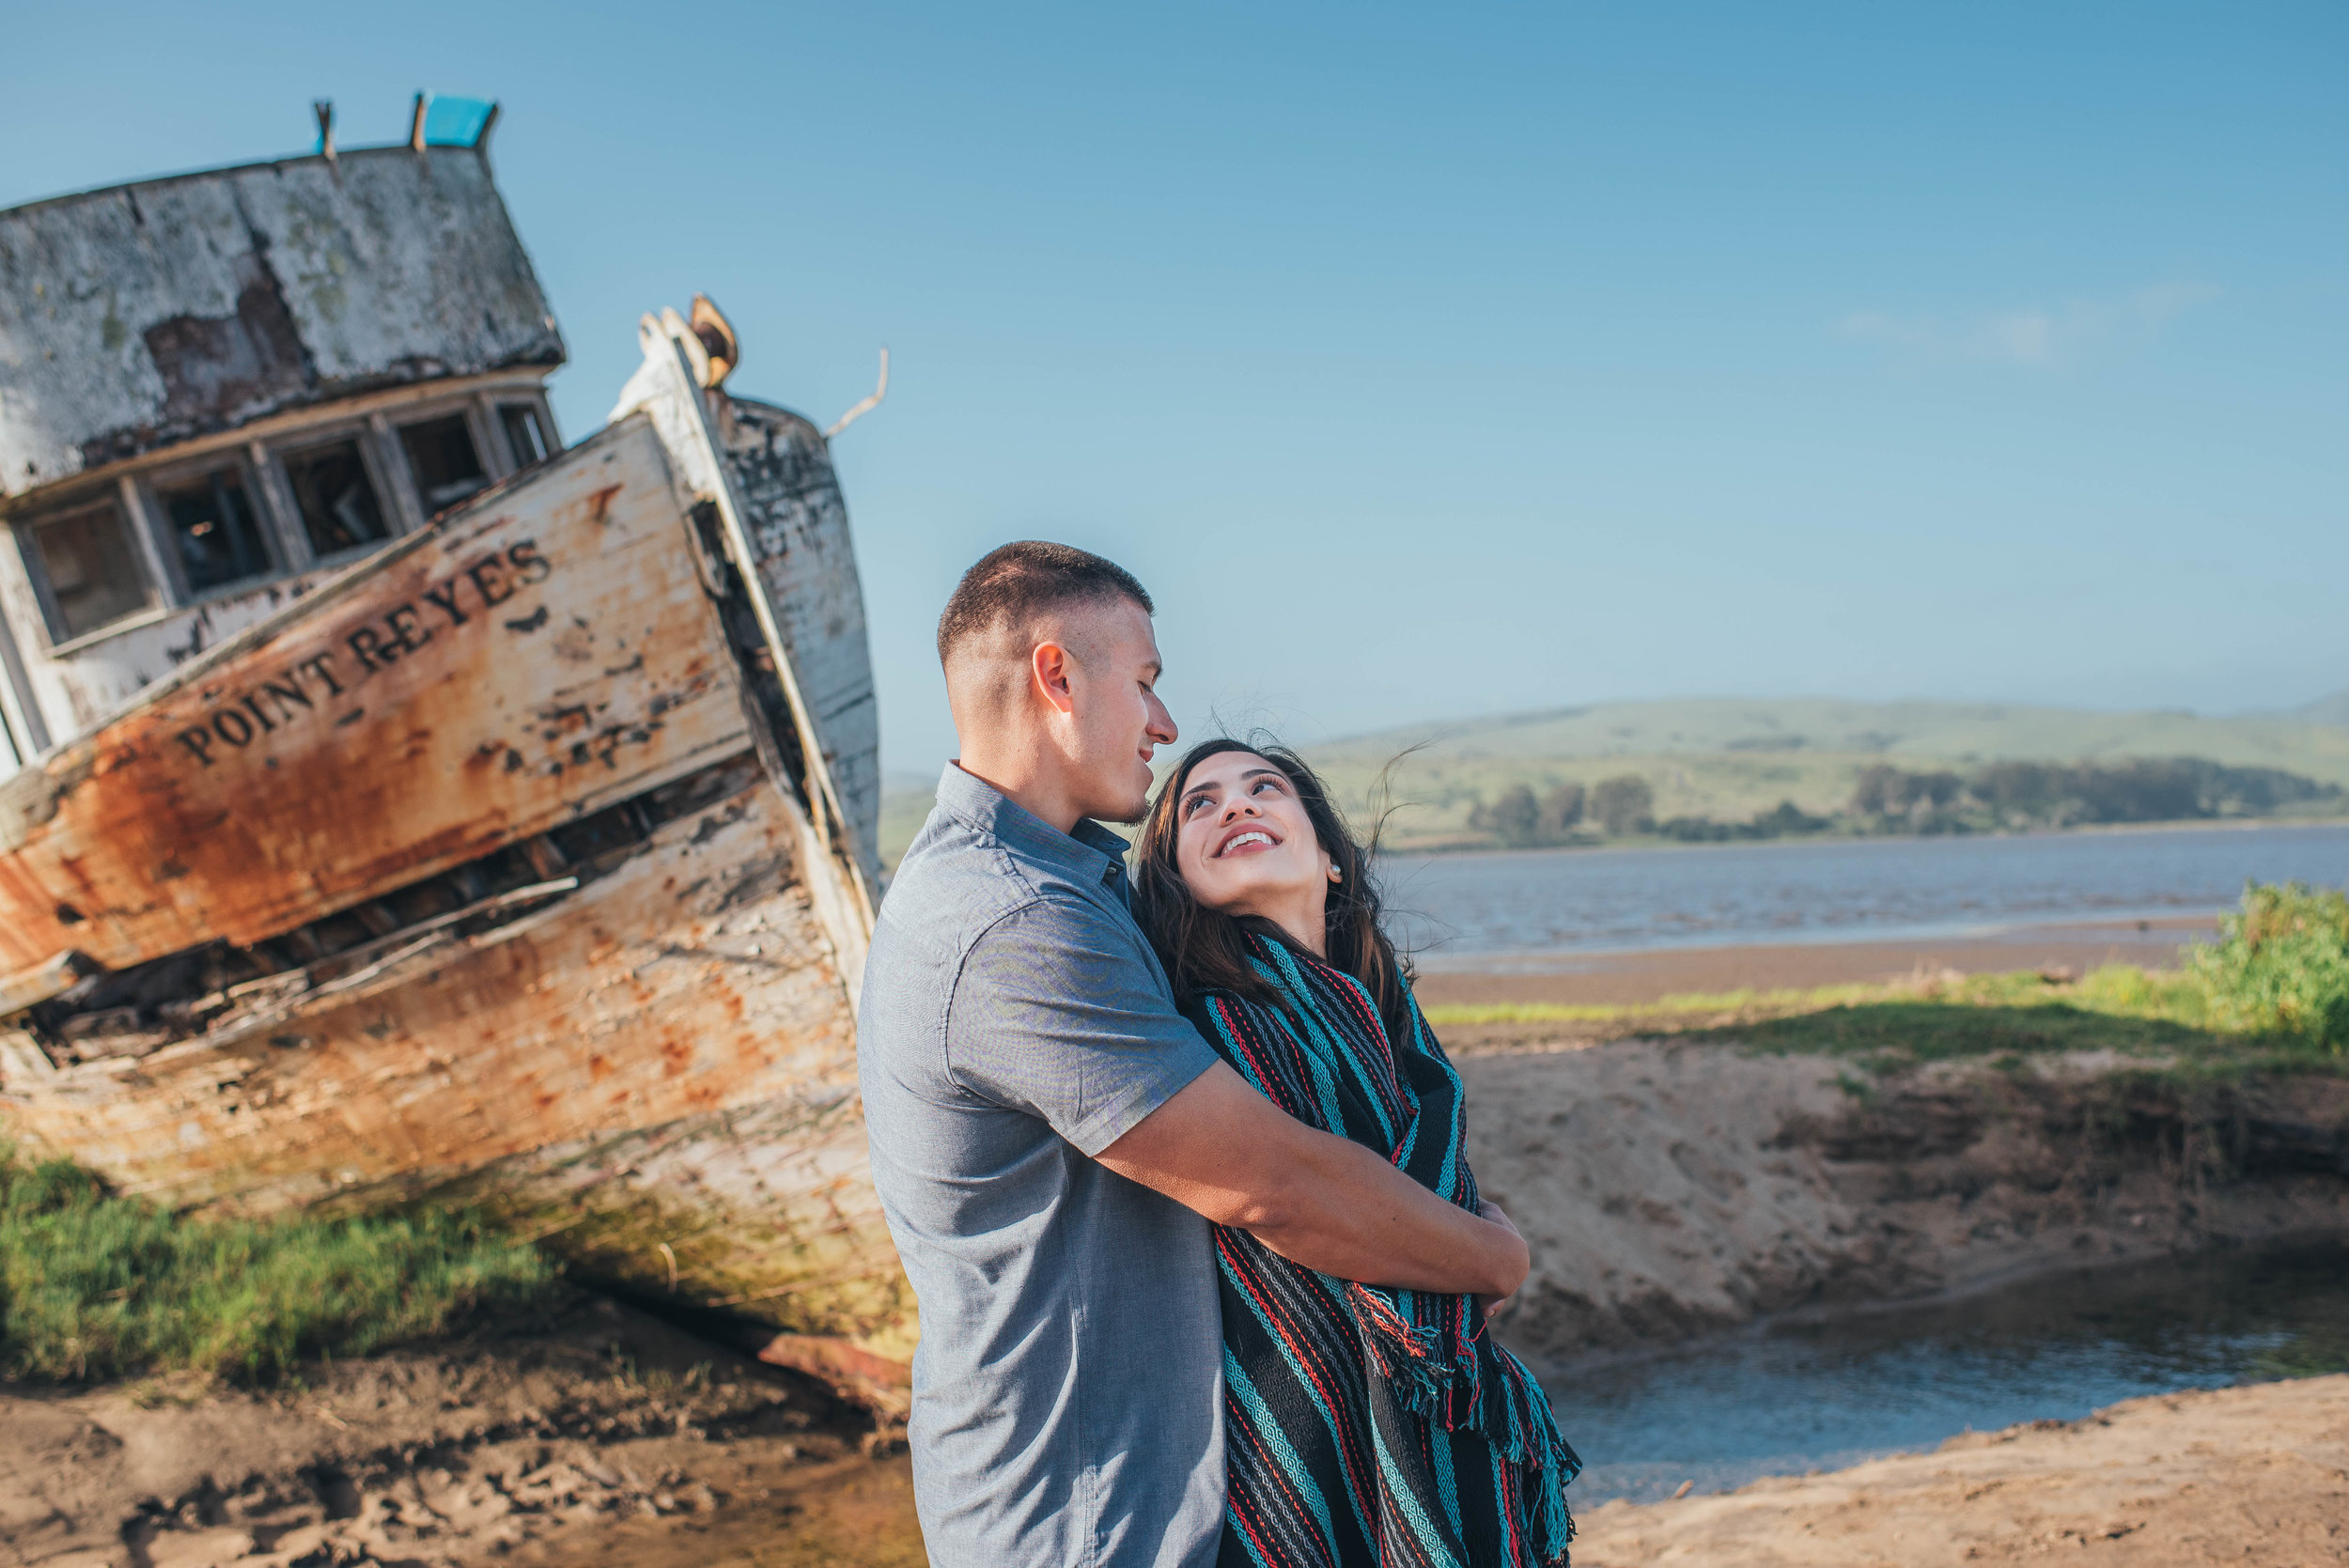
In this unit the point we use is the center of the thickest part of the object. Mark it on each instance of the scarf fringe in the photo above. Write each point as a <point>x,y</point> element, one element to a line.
<point>1440,1375</point>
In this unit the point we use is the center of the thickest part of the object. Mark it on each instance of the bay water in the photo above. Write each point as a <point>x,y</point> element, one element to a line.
<point>1499,910</point>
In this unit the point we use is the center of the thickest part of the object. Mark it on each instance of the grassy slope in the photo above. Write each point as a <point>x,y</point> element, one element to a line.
<point>2163,1021</point>
<point>2270,996</point>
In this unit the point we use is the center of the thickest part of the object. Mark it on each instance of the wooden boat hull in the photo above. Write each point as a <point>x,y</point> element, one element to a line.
<point>512,867</point>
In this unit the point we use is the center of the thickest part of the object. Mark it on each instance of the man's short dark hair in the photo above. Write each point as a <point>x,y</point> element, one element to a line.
<point>1021,582</point>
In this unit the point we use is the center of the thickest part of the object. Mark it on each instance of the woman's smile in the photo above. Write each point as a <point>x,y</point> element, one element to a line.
<point>1247,838</point>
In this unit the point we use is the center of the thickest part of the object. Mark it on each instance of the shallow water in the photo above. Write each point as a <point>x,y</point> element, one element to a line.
<point>1486,909</point>
<point>1800,1396</point>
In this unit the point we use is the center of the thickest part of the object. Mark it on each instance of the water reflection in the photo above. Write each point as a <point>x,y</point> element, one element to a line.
<point>1820,1395</point>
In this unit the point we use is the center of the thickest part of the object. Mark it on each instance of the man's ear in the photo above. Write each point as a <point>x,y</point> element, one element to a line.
<point>1051,667</point>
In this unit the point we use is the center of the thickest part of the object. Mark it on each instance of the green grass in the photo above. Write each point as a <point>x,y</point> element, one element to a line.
<point>2281,965</point>
<point>93,1285</point>
<point>2272,995</point>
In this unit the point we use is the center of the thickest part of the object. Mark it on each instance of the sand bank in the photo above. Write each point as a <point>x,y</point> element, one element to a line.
<point>2249,1475</point>
<point>1670,1188</point>
<point>1645,975</point>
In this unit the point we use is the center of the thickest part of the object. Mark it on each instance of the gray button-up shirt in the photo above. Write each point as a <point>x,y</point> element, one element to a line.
<point>1068,1394</point>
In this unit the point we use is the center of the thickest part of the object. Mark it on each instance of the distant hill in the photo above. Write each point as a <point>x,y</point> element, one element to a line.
<point>1728,759</point>
<point>2325,710</point>
<point>2303,743</point>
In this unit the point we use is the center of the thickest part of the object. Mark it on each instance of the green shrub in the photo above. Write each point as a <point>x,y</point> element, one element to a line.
<point>2281,965</point>
<point>93,1285</point>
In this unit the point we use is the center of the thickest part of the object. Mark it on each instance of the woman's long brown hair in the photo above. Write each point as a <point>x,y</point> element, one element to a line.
<point>1205,950</point>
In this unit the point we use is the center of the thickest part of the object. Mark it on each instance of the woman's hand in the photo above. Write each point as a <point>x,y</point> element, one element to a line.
<point>1488,1209</point>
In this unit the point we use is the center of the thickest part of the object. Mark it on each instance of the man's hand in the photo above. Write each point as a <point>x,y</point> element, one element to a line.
<point>1493,1304</point>
<point>1221,1149</point>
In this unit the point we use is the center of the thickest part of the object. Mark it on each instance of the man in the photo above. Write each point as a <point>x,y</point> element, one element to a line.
<point>1050,1137</point>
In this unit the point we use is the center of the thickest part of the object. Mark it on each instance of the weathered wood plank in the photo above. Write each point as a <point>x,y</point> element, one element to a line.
<point>798,526</point>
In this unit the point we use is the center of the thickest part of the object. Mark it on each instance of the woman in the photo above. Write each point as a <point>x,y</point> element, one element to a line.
<point>1361,1425</point>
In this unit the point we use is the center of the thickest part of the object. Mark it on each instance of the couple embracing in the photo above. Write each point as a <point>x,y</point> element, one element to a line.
<point>1172,1161</point>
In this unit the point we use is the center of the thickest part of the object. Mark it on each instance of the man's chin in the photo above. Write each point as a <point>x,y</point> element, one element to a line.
<point>1127,815</point>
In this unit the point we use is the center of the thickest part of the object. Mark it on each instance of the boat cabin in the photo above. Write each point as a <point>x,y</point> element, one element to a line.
<point>216,389</point>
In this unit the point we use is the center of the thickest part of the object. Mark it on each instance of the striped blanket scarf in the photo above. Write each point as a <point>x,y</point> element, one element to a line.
<point>1368,1426</point>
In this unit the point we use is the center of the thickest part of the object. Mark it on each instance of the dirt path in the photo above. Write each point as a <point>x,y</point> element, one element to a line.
<point>2256,1475</point>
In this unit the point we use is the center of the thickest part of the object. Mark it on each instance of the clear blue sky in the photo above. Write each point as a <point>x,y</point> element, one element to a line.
<point>1440,360</point>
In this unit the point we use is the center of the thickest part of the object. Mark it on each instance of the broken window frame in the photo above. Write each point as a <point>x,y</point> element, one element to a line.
<point>151,485</point>
<point>122,501</point>
<point>135,495</point>
<point>393,492</point>
<point>401,420</point>
<point>496,405</point>
<point>20,707</point>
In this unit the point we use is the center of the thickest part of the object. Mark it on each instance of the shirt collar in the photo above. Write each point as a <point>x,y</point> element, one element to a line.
<point>1090,854</point>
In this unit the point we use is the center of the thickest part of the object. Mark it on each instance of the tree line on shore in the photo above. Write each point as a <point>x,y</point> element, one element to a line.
<point>1888,799</point>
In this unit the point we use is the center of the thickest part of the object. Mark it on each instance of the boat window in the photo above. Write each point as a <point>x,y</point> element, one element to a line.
<point>441,455</point>
<point>526,432</point>
<point>335,497</point>
<point>210,520</point>
<point>90,567</point>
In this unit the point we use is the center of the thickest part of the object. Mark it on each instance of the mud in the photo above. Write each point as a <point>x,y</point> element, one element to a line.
<point>545,1443</point>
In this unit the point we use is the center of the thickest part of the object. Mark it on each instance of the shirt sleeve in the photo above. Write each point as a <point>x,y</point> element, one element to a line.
<point>1061,1014</point>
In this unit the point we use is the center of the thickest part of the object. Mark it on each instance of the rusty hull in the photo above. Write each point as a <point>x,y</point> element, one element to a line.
<point>664,1057</point>
<point>547,650</point>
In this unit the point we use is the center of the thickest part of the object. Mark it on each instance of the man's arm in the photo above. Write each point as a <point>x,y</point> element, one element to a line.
<point>1219,1147</point>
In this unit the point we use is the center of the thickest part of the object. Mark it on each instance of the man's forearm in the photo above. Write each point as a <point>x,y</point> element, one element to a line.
<point>1352,1215</point>
<point>1223,1150</point>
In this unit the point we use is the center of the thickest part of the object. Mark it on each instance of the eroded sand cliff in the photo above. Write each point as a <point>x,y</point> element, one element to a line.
<point>1670,1188</point>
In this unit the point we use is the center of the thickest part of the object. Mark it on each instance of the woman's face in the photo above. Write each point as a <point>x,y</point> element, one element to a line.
<point>1245,846</point>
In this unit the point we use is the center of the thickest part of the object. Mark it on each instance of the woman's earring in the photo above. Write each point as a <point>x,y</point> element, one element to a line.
<point>1336,876</point>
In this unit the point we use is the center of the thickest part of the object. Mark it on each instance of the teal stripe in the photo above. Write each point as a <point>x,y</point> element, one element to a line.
<point>1284,1454</point>
<point>1406,1502</point>
<point>1446,1484</point>
<point>1305,1383</point>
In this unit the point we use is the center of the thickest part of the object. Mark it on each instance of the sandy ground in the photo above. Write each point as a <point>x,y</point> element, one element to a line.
<point>1623,978</point>
<point>540,1446</point>
<point>2256,1475</point>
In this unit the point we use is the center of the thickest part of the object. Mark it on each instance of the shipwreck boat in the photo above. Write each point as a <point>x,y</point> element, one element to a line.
<point>399,804</point>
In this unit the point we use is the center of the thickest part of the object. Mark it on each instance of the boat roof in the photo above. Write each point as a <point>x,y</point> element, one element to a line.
<point>141,315</point>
